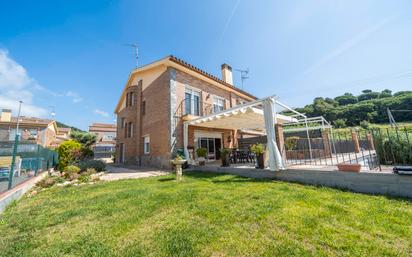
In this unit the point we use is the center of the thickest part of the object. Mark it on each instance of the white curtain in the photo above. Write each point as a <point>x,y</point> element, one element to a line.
<point>275,159</point>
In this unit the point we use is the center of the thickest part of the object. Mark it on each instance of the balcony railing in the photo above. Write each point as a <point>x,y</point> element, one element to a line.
<point>195,108</point>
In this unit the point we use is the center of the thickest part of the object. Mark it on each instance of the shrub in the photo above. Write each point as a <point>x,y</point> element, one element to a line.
<point>68,153</point>
<point>90,171</point>
<point>224,152</point>
<point>201,152</point>
<point>340,123</point>
<point>257,149</point>
<point>84,178</point>
<point>71,172</point>
<point>364,124</point>
<point>291,143</point>
<point>95,164</point>
<point>49,181</point>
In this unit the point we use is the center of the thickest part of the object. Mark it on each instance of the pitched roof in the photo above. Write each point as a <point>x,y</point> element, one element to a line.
<point>204,73</point>
<point>103,127</point>
<point>168,61</point>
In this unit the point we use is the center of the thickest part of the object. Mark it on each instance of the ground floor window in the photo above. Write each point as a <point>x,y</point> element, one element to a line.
<point>146,144</point>
<point>213,146</point>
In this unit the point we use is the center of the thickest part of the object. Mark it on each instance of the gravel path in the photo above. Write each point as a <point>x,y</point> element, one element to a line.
<point>116,173</point>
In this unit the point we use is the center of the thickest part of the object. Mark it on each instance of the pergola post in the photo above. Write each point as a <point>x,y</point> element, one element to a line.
<point>275,159</point>
<point>186,140</point>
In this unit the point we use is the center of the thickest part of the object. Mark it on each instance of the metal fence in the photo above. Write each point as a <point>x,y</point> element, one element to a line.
<point>372,148</point>
<point>30,159</point>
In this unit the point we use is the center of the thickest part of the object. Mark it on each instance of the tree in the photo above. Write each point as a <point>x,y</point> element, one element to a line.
<point>86,139</point>
<point>340,123</point>
<point>368,95</point>
<point>385,93</point>
<point>346,99</point>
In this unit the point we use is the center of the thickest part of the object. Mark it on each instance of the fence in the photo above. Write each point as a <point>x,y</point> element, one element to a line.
<point>371,148</point>
<point>30,159</point>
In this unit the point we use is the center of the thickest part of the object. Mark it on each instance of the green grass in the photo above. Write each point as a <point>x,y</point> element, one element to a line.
<point>205,215</point>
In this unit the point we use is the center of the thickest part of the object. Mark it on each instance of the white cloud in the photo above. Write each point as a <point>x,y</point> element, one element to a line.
<point>16,85</point>
<point>74,96</point>
<point>101,113</point>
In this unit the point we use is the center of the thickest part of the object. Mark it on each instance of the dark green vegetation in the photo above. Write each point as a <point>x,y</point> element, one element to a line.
<point>205,215</point>
<point>62,125</point>
<point>350,110</point>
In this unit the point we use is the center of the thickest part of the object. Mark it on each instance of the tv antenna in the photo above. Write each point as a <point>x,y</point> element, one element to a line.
<point>243,75</point>
<point>136,49</point>
<point>52,111</point>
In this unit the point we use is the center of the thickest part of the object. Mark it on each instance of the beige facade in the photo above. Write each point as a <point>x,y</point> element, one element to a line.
<point>41,131</point>
<point>157,99</point>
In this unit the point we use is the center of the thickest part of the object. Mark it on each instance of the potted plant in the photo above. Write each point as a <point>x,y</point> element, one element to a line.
<point>259,151</point>
<point>224,155</point>
<point>201,155</point>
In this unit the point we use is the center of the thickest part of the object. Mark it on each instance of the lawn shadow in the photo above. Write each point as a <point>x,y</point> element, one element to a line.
<point>217,177</point>
<point>166,179</point>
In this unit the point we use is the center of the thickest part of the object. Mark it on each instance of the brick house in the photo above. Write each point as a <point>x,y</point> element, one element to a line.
<point>105,140</point>
<point>159,97</point>
<point>41,131</point>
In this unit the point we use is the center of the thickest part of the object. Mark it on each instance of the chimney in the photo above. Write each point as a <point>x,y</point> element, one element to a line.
<point>5,115</point>
<point>227,74</point>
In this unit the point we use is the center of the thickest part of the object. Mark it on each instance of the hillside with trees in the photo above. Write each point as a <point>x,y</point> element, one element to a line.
<point>368,107</point>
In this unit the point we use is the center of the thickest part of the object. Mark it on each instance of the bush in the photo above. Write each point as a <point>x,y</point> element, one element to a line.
<point>201,152</point>
<point>71,172</point>
<point>84,178</point>
<point>49,182</point>
<point>364,124</point>
<point>68,153</point>
<point>340,123</point>
<point>97,165</point>
<point>90,171</point>
<point>257,149</point>
<point>291,143</point>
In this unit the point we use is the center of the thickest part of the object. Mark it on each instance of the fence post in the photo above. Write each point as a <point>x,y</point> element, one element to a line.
<point>355,141</point>
<point>326,143</point>
<point>13,160</point>
<point>38,161</point>
<point>370,141</point>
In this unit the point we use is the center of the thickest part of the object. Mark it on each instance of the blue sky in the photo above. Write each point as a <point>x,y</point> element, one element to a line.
<point>71,54</point>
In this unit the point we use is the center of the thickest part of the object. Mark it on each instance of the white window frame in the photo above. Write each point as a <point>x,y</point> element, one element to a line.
<point>146,144</point>
<point>216,100</point>
<point>193,92</point>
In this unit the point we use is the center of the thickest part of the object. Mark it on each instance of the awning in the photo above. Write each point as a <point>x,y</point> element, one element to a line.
<point>244,118</point>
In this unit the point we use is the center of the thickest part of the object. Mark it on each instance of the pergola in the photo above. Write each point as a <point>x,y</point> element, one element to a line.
<point>260,115</point>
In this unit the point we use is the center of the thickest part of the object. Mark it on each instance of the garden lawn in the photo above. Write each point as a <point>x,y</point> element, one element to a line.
<point>205,215</point>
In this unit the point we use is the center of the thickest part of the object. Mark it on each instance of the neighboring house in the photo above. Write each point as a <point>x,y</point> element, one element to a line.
<point>159,97</point>
<point>105,141</point>
<point>63,134</point>
<point>41,131</point>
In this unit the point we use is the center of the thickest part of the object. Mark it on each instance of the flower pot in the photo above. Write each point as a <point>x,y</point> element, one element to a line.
<point>201,161</point>
<point>260,161</point>
<point>225,160</point>
<point>349,167</point>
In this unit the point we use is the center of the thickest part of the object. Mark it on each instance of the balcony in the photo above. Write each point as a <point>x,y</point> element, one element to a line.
<point>189,109</point>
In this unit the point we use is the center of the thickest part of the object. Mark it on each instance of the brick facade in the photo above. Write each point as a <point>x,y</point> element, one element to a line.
<point>157,112</point>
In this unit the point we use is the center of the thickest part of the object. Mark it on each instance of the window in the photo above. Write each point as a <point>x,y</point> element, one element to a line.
<point>122,122</point>
<point>146,144</point>
<point>128,131</point>
<point>192,102</point>
<point>218,104</point>
<point>130,99</point>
